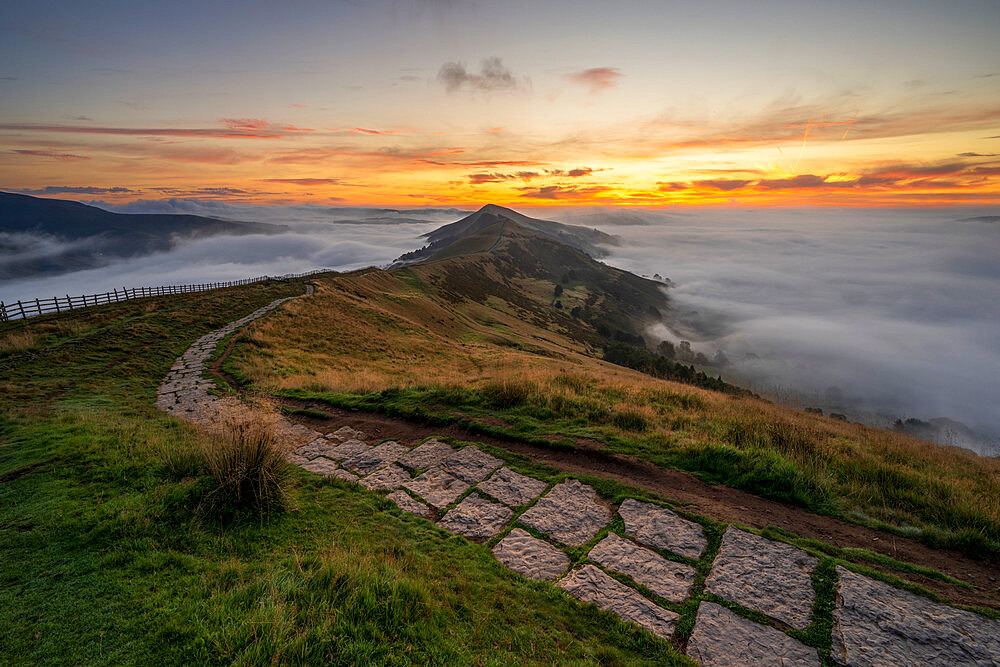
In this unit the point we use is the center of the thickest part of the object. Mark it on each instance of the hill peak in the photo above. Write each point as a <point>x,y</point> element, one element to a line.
<point>590,241</point>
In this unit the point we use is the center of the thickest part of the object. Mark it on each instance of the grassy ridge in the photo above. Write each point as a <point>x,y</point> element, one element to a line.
<point>105,557</point>
<point>394,343</point>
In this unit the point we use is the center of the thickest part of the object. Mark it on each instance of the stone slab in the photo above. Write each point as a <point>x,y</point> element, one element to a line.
<point>372,459</point>
<point>667,579</point>
<point>427,455</point>
<point>321,466</point>
<point>437,487</point>
<point>531,557</point>
<point>590,584</point>
<point>877,624</point>
<point>513,488</point>
<point>771,577</point>
<point>318,447</point>
<point>345,475</point>
<point>477,518</point>
<point>570,513</point>
<point>408,503</point>
<point>348,449</point>
<point>346,433</point>
<point>471,464</point>
<point>660,528</point>
<point>724,639</point>
<point>386,479</point>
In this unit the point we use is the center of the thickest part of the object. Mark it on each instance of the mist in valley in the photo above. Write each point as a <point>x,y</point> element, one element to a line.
<point>877,315</point>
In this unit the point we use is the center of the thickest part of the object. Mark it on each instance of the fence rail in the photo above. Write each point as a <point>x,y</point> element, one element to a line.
<point>19,310</point>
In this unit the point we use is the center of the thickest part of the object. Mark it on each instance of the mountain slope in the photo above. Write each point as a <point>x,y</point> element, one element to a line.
<point>53,236</point>
<point>546,282</point>
<point>582,238</point>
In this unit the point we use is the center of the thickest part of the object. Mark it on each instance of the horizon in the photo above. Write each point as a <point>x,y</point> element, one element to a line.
<point>430,104</point>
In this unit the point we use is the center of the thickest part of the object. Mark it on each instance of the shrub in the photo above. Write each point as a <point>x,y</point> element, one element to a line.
<point>246,462</point>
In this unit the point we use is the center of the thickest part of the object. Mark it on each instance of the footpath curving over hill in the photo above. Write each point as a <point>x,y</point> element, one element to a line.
<point>750,599</point>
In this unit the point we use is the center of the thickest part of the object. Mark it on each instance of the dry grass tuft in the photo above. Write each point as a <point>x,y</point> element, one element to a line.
<point>244,458</point>
<point>17,341</point>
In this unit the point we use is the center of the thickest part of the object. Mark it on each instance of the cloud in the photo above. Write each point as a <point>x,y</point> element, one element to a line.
<point>51,154</point>
<point>671,186</point>
<point>723,184</point>
<point>562,191</point>
<point>978,154</point>
<point>867,312</point>
<point>79,190</point>
<point>303,181</point>
<point>495,177</point>
<point>236,128</point>
<point>597,79</point>
<point>493,76</point>
<point>800,181</point>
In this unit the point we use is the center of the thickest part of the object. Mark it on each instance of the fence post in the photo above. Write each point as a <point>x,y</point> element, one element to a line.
<point>21,306</point>
<point>3,312</point>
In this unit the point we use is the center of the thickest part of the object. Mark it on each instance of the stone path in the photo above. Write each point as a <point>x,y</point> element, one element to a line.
<point>566,533</point>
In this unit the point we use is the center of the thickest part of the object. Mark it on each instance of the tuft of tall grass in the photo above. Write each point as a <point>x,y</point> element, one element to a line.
<point>505,393</point>
<point>17,341</point>
<point>246,462</point>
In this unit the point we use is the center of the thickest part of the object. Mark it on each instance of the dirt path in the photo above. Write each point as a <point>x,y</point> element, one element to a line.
<point>712,500</point>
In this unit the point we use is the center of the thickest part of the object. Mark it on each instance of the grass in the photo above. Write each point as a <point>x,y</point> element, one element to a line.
<point>109,558</point>
<point>400,345</point>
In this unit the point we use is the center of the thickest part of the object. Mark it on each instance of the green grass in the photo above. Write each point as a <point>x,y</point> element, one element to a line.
<point>745,456</point>
<point>106,558</point>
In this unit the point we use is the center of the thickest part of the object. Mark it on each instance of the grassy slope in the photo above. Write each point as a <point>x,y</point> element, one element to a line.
<point>410,342</point>
<point>103,558</point>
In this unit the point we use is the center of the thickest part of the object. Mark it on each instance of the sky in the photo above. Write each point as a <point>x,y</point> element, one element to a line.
<point>415,103</point>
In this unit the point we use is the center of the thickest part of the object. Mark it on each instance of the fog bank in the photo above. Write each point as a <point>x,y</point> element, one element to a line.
<point>874,314</point>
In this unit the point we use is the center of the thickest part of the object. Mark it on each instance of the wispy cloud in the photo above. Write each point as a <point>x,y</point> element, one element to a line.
<point>493,76</point>
<point>50,154</point>
<point>77,190</point>
<point>596,79</point>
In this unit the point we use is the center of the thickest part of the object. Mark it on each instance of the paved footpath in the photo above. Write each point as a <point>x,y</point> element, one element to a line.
<point>643,570</point>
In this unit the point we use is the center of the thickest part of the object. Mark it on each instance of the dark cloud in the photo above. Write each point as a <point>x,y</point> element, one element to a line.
<point>978,154</point>
<point>493,76</point>
<point>496,177</point>
<point>51,154</point>
<point>800,181</point>
<point>78,189</point>
<point>303,181</point>
<point>596,79</point>
<point>671,186</point>
<point>562,191</point>
<point>723,184</point>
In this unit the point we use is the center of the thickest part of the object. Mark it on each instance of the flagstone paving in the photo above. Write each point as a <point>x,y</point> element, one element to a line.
<point>721,637</point>
<point>667,579</point>
<point>876,624</point>
<point>513,488</point>
<point>437,487</point>
<point>571,513</point>
<point>589,584</point>
<point>530,556</point>
<point>771,577</point>
<point>660,528</point>
<point>408,503</point>
<point>426,455</point>
<point>873,623</point>
<point>477,517</point>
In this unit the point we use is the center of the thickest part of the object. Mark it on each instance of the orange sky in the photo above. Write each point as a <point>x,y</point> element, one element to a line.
<point>436,108</point>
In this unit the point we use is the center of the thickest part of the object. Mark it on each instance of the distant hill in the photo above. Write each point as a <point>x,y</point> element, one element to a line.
<point>545,280</point>
<point>77,236</point>
<point>582,238</point>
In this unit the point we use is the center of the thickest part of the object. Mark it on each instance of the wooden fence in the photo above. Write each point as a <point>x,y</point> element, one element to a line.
<point>23,309</point>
